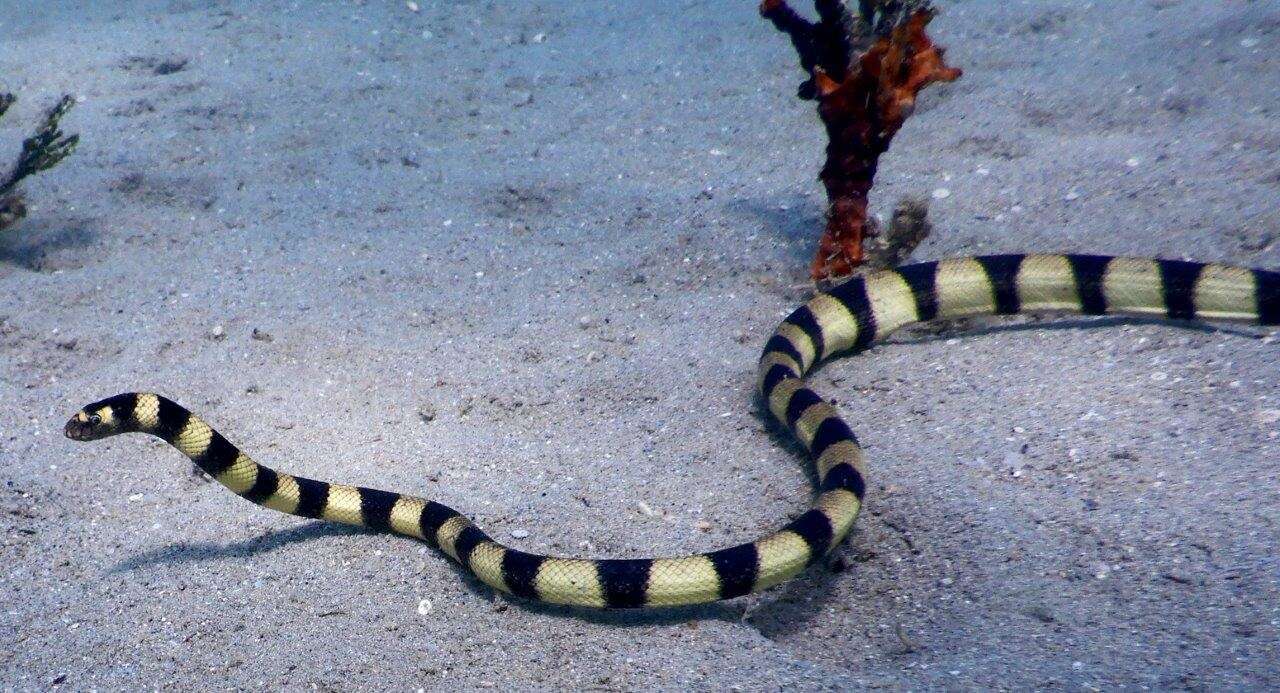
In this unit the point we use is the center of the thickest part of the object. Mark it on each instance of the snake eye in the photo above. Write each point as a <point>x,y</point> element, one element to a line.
<point>95,419</point>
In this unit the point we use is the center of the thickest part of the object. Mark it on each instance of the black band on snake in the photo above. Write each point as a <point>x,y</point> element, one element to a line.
<point>843,320</point>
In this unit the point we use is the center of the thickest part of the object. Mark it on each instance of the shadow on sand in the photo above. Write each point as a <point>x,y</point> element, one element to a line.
<point>45,244</point>
<point>777,613</point>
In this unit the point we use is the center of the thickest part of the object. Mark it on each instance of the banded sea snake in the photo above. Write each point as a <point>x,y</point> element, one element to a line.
<point>845,319</point>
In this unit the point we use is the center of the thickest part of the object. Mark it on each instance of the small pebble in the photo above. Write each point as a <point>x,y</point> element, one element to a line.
<point>519,533</point>
<point>1250,42</point>
<point>1015,460</point>
<point>1180,578</point>
<point>585,322</point>
<point>261,336</point>
<point>1071,196</point>
<point>424,606</point>
<point>1133,162</point>
<point>595,357</point>
<point>703,525</point>
<point>538,37</point>
<point>941,193</point>
<point>413,6</point>
<point>218,332</point>
<point>644,509</point>
<point>427,413</point>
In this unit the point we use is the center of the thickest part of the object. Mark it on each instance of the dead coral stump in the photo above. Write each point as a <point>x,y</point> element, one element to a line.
<point>866,69</point>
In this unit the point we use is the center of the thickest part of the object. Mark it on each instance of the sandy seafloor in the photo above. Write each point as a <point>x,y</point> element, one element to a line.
<point>521,258</point>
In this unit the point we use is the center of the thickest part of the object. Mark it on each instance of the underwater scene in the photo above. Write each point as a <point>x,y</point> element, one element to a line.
<point>698,345</point>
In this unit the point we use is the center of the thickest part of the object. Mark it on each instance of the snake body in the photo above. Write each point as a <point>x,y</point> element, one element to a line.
<point>845,319</point>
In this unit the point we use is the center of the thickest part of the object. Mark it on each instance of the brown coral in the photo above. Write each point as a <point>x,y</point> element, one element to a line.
<point>866,70</point>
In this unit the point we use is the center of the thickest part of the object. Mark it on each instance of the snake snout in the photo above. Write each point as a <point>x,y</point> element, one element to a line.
<point>77,428</point>
<point>83,426</point>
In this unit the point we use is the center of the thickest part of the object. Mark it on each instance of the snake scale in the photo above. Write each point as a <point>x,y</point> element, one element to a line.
<point>845,319</point>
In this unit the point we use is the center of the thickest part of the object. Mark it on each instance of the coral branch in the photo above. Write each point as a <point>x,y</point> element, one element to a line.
<point>866,70</point>
<point>40,152</point>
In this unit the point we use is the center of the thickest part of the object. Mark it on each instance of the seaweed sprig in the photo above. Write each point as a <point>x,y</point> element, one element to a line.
<point>865,69</point>
<point>40,152</point>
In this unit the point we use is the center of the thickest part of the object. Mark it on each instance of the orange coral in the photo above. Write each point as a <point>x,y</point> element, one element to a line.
<point>863,101</point>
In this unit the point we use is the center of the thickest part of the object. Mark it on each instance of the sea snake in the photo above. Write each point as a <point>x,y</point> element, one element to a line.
<point>844,319</point>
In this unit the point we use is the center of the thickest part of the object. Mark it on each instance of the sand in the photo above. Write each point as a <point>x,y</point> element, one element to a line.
<point>521,258</point>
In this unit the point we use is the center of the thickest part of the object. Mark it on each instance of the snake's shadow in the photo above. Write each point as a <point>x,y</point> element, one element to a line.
<point>271,540</point>
<point>184,552</point>
<point>774,614</point>
<point>931,332</point>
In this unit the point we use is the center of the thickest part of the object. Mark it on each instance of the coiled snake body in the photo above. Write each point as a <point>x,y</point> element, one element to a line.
<point>845,319</point>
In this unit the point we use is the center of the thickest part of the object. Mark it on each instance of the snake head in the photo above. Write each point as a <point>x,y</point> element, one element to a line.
<point>95,421</point>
